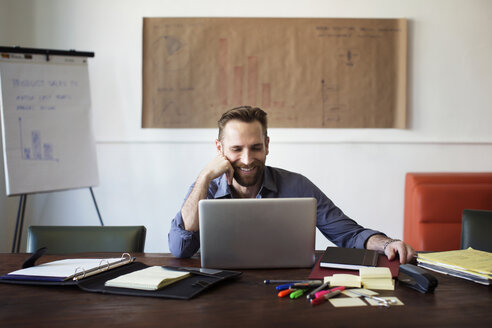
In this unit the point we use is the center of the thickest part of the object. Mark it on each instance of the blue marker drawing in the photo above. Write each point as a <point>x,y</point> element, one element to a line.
<point>36,144</point>
<point>38,151</point>
<point>48,152</point>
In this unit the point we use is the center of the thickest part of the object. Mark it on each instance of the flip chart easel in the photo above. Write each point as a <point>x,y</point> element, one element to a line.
<point>48,143</point>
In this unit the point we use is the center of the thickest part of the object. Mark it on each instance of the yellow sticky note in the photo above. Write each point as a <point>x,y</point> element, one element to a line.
<point>347,302</point>
<point>377,278</point>
<point>384,284</point>
<point>347,280</point>
<point>374,273</point>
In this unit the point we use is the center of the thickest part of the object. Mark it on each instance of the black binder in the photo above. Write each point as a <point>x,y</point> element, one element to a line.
<point>199,280</point>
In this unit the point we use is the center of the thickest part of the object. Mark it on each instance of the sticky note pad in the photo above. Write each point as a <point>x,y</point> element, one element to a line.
<point>347,280</point>
<point>374,273</point>
<point>384,284</point>
<point>347,302</point>
<point>377,278</point>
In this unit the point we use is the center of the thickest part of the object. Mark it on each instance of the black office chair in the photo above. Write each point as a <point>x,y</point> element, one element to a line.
<point>476,230</point>
<point>81,239</point>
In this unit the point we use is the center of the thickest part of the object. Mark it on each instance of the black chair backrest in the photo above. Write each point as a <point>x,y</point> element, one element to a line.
<point>81,239</point>
<point>476,230</point>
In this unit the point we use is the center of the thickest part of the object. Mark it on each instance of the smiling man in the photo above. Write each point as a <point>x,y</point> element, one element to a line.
<point>239,171</point>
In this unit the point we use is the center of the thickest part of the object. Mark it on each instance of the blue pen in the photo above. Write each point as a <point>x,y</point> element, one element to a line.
<point>282,287</point>
<point>283,281</point>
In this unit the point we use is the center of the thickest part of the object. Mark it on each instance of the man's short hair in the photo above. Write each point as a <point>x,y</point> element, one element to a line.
<point>246,114</point>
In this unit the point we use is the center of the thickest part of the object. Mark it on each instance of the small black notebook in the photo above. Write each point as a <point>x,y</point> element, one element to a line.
<point>348,258</point>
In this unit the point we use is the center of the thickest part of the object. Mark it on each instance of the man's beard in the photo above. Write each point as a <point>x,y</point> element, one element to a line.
<point>249,180</point>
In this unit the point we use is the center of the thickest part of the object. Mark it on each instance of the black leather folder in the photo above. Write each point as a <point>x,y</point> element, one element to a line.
<point>200,280</point>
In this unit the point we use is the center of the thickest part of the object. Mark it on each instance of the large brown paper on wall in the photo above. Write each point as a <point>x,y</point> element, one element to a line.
<point>305,73</point>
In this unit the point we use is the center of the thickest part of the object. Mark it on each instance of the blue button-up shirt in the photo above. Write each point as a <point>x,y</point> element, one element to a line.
<point>278,183</point>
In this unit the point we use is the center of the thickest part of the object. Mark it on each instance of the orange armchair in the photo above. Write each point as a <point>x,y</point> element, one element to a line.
<point>434,203</point>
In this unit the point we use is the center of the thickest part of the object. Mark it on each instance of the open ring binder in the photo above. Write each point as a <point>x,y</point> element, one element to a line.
<point>68,269</point>
<point>107,263</point>
<point>77,274</point>
<point>125,259</point>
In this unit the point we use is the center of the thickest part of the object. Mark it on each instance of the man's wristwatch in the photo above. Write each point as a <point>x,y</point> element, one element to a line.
<point>389,242</point>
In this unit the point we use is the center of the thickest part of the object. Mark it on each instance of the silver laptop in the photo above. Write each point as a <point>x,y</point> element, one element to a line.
<point>257,233</point>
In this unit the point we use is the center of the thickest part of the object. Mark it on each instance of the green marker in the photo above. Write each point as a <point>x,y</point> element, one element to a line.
<point>298,293</point>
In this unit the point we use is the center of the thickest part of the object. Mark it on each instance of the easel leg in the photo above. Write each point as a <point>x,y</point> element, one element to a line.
<point>19,224</point>
<point>97,208</point>
<point>20,220</point>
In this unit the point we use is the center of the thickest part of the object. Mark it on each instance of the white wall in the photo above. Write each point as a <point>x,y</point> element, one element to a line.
<point>144,174</point>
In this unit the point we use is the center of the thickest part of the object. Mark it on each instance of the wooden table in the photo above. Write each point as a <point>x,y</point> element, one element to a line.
<point>243,302</point>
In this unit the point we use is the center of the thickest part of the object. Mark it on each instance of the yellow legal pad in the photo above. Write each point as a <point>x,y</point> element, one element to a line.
<point>151,278</point>
<point>468,263</point>
<point>470,259</point>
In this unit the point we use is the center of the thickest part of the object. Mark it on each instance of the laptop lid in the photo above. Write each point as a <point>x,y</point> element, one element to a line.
<point>257,233</point>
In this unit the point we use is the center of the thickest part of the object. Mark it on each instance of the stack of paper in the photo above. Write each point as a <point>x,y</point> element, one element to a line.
<point>376,278</point>
<point>468,263</point>
<point>369,277</point>
<point>151,278</point>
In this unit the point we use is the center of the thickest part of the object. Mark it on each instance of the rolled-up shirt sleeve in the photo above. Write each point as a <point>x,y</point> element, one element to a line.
<point>330,220</point>
<point>182,243</point>
<point>338,227</point>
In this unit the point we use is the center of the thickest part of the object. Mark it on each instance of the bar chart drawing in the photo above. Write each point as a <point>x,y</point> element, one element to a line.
<point>330,103</point>
<point>247,86</point>
<point>38,151</point>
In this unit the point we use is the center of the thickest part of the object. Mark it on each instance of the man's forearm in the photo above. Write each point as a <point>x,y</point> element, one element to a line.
<point>218,166</point>
<point>189,211</point>
<point>377,242</point>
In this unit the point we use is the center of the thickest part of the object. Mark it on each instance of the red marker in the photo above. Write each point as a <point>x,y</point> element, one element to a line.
<point>324,292</point>
<point>321,299</point>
